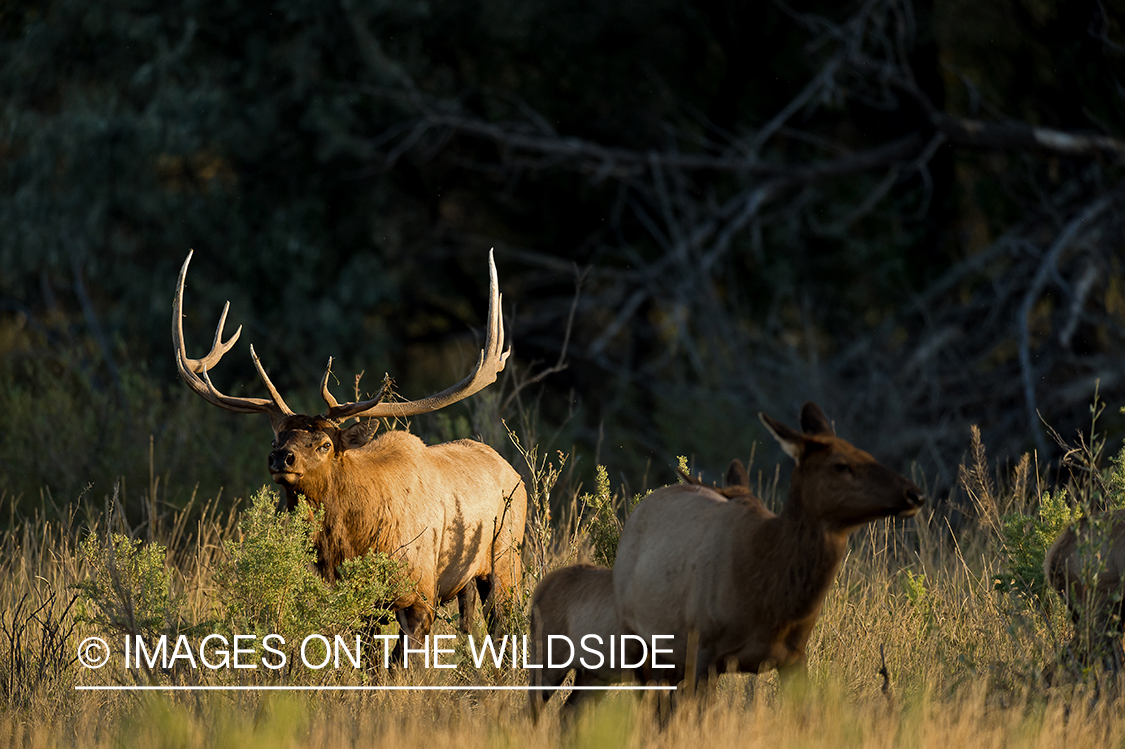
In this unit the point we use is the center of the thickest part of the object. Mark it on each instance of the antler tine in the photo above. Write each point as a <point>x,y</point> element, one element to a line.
<point>192,369</point>
<point>238,405</point>
<point>328,397</point>
<point>334,411</point>
<point>218,347</point>
<point>274,395</point>
<point>489,365</point>
<point>366,408</point>
<point>495,335</point>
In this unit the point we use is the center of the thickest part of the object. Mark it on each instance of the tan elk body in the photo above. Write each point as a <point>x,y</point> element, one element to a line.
<point>454,512</point>
<point>1086,565</point>
<point>738,582</point>
<point>577,601</point>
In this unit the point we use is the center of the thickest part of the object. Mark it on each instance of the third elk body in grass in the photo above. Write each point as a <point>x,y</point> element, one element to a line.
<point>454,513</point>
<point>575,603</point>
<point>1086,565</point>
<point>732,581</point>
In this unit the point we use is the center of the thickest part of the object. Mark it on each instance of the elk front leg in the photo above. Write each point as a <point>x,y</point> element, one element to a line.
<point>414,623</point>
<point>466,605</point>
<point>794,677</point>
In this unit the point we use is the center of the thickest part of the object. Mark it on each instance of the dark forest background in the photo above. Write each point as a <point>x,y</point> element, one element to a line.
<point>909,212</point>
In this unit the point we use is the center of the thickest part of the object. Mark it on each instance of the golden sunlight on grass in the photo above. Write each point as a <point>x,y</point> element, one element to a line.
<point>916,646</point>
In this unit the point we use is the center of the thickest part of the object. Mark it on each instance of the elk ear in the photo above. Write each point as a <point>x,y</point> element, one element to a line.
<point>737,475</point>
<point>813,420</point>
<point>358,434</point>
<point>790,440</point>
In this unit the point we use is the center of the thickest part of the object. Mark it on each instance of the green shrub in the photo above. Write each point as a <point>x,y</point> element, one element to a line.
<point>269,583</point>
<point>603,526</point>
<point>1025,538</point>
<point>128,588</point>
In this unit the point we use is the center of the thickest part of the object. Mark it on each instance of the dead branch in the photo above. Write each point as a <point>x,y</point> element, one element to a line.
<point>1066,237</point>
<point>962,350</point>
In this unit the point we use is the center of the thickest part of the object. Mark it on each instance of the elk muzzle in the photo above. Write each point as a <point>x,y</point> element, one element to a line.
<point>282,464</point>
<point>914,499</point>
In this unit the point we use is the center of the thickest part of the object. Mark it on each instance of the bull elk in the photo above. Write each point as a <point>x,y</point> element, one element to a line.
<point>1086,565</point>
<point>453,512</point>
<point>743,585</point>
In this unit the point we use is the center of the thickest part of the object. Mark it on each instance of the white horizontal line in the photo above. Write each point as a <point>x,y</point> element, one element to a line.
<point>243,688</point>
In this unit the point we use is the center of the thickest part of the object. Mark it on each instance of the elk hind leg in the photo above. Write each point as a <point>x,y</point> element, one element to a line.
<point>496,603</point>
<point>502,587</point>
<point>543,677</point>
<point>579,697</point>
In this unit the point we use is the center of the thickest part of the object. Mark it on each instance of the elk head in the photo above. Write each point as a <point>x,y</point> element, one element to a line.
<point>836,481</point>
<point>304,449</point>
<point>306,446</point>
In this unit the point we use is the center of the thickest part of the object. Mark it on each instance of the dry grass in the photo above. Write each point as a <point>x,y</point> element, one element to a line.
<point>964,664</point>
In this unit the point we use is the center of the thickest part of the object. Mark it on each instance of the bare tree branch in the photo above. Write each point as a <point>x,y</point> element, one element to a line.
<point>1066,237</point>
<point>1023,137</point>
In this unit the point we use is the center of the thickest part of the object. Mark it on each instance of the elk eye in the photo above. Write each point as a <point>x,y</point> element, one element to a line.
<point>273,444</point>
<point>323,448</point>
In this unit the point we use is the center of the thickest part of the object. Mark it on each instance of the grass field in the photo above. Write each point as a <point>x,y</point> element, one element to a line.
<point>964,661</point>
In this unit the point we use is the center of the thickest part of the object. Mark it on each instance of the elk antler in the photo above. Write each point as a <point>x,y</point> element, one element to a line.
<point>191,369</point>
<point>489,365</point>
<point>334,404</point>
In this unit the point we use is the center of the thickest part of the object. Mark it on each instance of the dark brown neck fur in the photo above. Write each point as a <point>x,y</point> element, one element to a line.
<point>347,531</point>
<point>803,554</point>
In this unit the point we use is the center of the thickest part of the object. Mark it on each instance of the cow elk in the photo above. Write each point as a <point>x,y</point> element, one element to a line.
<point>1086,565</point>
<point>573,602</point>
<point>734,583</point>
<point>454,512</point>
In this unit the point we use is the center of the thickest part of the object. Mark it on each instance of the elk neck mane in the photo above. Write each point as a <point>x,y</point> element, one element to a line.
<point>801,553</point>
<point>365,496</point>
